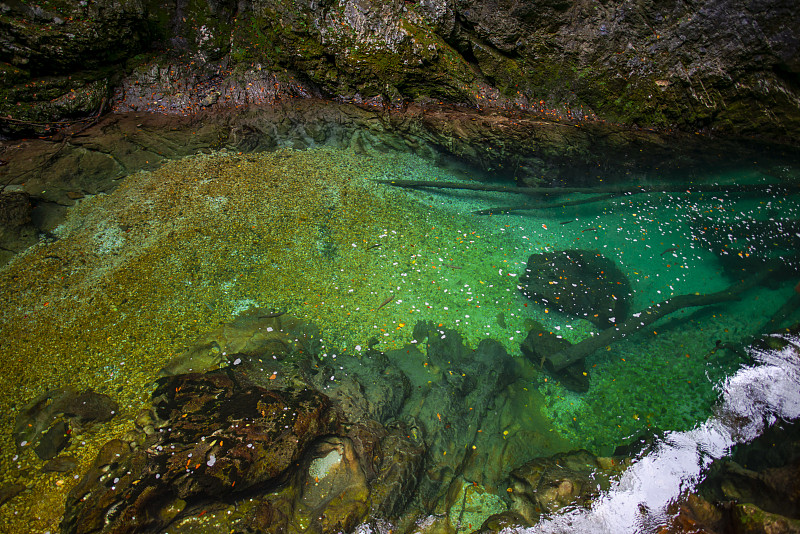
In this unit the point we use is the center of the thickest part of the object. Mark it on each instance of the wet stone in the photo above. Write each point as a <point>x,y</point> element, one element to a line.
<point>61,464</point>
<point>547,485</point>
<point>581,283</point>
<point>53,441</point>
<point>220,439</point>
<point>9,491</point>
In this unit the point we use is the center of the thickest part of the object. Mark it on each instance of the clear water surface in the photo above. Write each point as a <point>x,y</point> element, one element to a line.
<point>138,275</point>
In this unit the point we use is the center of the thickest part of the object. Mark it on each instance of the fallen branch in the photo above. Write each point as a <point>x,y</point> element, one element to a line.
<point>783,313</point>
<point>585,348</point>
<point>540,206</point>
<point>765,189</point>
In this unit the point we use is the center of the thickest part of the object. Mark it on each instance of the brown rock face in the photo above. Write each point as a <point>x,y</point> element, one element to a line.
<point>219,439</point>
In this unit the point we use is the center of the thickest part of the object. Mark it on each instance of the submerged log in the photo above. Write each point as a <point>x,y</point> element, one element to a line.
<point>783,313</point>
<point>541,205</point>
<point>765,189</point>
<point>585,348</point>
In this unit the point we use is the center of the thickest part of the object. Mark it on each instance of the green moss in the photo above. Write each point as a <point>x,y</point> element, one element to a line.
<point>11,75</point>
<point>51,99</point>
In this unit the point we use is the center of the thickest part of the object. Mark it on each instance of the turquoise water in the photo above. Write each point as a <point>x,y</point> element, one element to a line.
<point>663,377</point>
<point>154,268</point>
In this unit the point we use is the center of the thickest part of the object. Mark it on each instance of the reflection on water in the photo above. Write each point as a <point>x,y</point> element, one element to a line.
<point>171,262</point>
<point>755,397</point>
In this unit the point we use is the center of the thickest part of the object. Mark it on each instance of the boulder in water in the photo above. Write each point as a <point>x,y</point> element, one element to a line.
<point>581,283</point>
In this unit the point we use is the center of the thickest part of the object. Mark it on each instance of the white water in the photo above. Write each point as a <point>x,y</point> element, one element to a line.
<point>752,399</point>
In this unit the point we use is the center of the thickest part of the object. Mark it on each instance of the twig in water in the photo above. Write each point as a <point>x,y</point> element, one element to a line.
<point>385,302</point>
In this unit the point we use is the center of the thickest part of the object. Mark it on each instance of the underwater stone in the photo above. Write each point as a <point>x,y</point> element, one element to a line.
<point>540,344</point>
<point>398,471</point>
<point>61,464</point>
<point>546,485</point>
<point>9,491</point>
<point>90,406</point>
<point>504,521</point>
<point>40,422</point>
<point>373,471</point>
<point>254,434</point>
<point>335,493</point>
<point>371,389</point>
<point>748,245</point>
<point>581,283</point>
<point>256,331</point>
<point>452,408</point>
<point>320,467</point>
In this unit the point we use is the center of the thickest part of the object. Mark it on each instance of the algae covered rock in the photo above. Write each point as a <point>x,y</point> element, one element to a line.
<point>254,332</point>
<point>46,421</point>
<point>540,343</point>
<point>275,446</point>
<point>220,439</point>
<point>547,485</point>
<point>581,283</point>
<point>750,519</point>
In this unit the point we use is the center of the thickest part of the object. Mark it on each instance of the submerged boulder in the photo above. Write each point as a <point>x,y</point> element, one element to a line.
<point>46,421</point>
<point>256,434</point>
<point>221,439</point>
<point>253,332</point>
<point>547,485</point>
<point>453,399</point>
<point>581,283</point>
<point>540,344</point>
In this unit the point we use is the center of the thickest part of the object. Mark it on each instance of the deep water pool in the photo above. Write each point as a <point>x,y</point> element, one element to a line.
<point>132,279</point>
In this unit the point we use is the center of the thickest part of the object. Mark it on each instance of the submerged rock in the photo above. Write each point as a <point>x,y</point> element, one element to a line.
<point>221,440</point>
<point>256,331</point>
<point>547,485</point>
<point>9,491</point>
<point>539,344</point>
<point>503,522</point>
<point>453,397</point>
<point>749,246</point>
<point>53,441</point>
<point>334,491</point>
<point>230,434</point>
<point>61,464</point>
<point>46,421</point>
<point>301,442</point>
<point>581,283</point>
<point>372,388</point>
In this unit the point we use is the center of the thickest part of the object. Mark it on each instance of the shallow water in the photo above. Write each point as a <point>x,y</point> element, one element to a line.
<point>137,276</point>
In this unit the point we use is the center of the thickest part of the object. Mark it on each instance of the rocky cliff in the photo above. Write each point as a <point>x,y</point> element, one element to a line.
<point>728,66</point>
